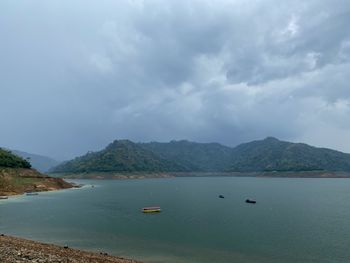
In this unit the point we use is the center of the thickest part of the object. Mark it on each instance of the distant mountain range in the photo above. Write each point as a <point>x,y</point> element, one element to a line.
<point>41,163</point>
<point>265,155</point>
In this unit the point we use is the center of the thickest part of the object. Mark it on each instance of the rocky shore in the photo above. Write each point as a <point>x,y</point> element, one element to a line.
<point>18,250</point>
<point>16,181</point>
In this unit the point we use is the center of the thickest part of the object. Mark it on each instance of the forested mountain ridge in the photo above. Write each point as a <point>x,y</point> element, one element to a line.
<point>269,154</point>
<point>205,157</point>
<point>119,156</point>
<point>272,154</point>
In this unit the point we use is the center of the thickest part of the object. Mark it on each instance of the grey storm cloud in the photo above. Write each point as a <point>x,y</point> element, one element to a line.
<point>75,75</point>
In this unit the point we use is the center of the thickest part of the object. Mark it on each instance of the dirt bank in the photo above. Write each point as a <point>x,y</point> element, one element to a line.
<point>14,181</point>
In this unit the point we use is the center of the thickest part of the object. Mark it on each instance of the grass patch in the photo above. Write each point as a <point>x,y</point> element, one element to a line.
<point>21,181</point>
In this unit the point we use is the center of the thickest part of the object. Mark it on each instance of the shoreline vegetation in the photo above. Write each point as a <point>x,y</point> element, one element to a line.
<point>14,249</point>
<point>141,175</point>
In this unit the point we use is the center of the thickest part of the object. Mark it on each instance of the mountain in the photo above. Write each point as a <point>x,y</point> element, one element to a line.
<point>265,155</point>
<point>9,160</point>
<point>202,157</point>
<point>38,162</point>
<point>119,156</point>
<point>272,154</point>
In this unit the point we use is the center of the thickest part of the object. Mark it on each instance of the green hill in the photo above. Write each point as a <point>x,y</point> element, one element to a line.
<point>272,154</point>
<point>201,157</point>
<point>265,155</point>
<point>119,156</point>
<point>9,160</point>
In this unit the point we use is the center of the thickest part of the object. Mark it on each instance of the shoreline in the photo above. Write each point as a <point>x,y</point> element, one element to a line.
<point>14,195</point>
<point>273,174</point>
<point>19,181</point>
<point>15,249</point>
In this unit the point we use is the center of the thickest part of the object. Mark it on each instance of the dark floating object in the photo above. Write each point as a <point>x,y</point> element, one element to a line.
<point>151,209</point>
<point>3,197</point>
<point>250,201</point>
<point>31,193</point>
<point>65,246</point>
<point>221,196</point>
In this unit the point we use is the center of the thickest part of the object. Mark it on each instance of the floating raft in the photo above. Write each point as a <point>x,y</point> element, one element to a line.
<point>151,209</point>
<point>31,193</point>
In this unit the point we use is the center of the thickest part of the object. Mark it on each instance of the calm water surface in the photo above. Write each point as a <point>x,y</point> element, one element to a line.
<point>295,220</point>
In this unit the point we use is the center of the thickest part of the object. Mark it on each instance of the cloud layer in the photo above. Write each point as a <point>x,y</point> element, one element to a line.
<point>76,75</point>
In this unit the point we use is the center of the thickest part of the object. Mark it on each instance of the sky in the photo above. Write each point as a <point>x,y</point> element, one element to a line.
<point>76,75</point>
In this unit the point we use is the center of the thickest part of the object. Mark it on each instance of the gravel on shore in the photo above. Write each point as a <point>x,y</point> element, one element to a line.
<point>18,250</point>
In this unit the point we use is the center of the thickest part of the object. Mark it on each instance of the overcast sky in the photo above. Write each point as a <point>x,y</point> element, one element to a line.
<point>75,75</point>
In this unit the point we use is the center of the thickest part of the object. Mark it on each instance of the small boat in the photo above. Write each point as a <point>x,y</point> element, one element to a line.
<point>75,186</point>
<point>31,193</point>
<point>4,197</point>
<point>152,209</point>
<point>221,196</point>
<point>250,201</point>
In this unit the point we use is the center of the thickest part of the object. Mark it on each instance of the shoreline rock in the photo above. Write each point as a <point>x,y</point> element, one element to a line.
<point>18,250</point>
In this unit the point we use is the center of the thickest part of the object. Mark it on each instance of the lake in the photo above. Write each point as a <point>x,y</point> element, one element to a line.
<point>294,220</point>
